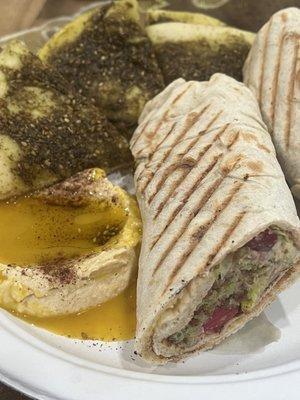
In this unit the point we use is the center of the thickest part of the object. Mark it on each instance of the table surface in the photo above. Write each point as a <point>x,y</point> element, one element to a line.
<point>7,393</point>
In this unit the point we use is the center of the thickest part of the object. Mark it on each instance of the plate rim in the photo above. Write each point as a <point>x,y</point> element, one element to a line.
<point>13,329</point>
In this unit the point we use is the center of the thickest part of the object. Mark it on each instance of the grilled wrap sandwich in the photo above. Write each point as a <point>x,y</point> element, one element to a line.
<point>221,233</point>
<point>272,72</point>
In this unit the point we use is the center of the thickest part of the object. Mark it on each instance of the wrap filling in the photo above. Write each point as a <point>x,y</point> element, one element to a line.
<point>240,281</point>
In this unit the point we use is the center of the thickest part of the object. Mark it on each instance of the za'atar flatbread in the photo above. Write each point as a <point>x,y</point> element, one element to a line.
<point>221,234</point>
<point>195,51</point>
<point>48,131</point>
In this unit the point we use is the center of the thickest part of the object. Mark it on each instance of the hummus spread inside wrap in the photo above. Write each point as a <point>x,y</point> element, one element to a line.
<point>221,234</point>
<point>272,73</point>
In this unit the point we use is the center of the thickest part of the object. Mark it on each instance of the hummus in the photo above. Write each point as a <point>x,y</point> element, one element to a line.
<point>69,247</point>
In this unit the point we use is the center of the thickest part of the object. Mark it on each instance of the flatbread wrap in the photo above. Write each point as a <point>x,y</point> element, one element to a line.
<point>220,230</point>
<point>272,73</point>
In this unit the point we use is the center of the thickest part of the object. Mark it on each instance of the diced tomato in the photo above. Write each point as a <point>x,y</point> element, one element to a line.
<point>220,317</point>
<point>264,241</point>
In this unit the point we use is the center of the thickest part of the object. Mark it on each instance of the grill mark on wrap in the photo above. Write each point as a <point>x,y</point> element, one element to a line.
<point>189,147</point>
<point>151,173</point>
<point>291,90</point>
<point>190,121</point>
<point>226,237</point>
<point>229,231</point>
<point>159,143</point>
<point>146,182</point>
<point>164,116</point>
<point>258,144</point>
<point>196,184</point>
<point>189,193</point>
<point>234,140</point>
<point>209,192</point>
<point>184,174</point>
<point>284,17</point>
<point>181,179</point>
<point>196,209</point>
<point>178,97</point>
<point>263,62</point>
<point>138,135</point>
<point>150,136</point>
<point>276,80</point>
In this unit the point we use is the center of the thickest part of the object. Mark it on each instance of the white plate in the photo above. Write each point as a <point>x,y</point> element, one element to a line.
<point>261,361</point>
